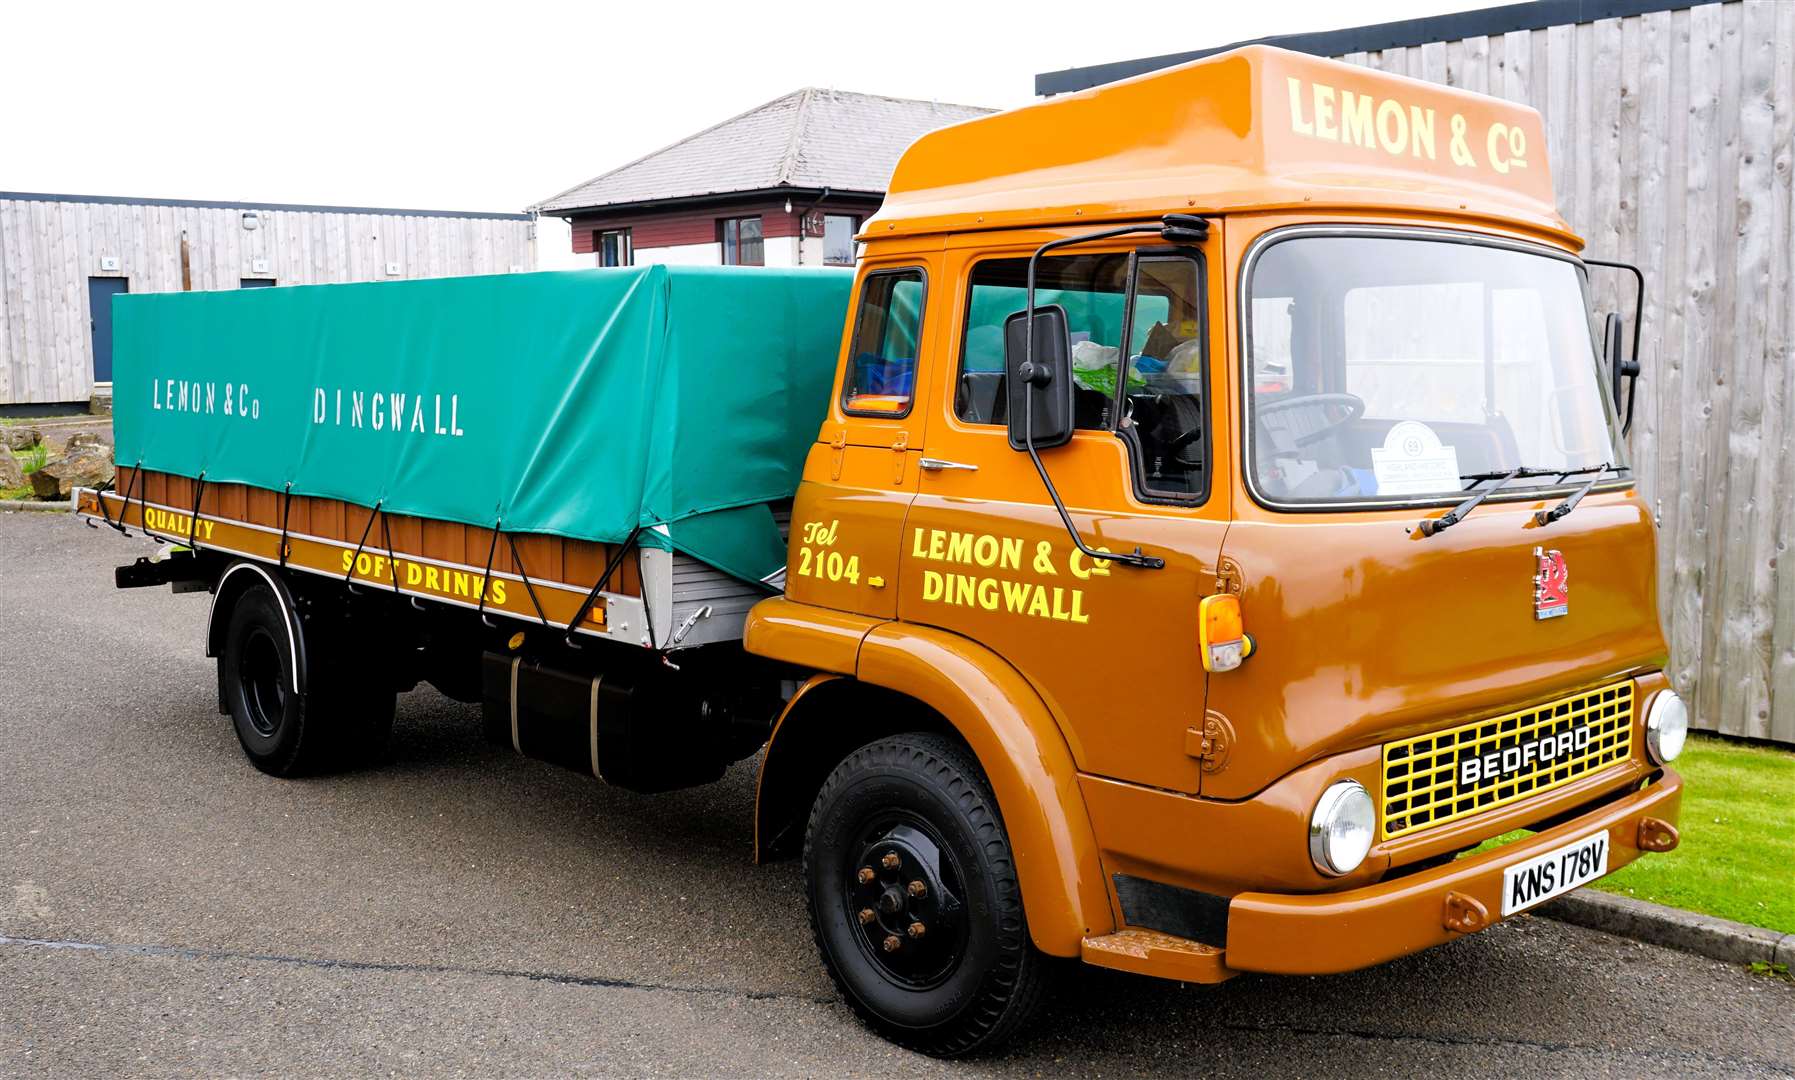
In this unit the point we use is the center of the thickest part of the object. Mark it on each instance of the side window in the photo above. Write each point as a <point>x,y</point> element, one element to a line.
<point>1092,289</point>
<point>1166,403</point>
<point>881,377</point>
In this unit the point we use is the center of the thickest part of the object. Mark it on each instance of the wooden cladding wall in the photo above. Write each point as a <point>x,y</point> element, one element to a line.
<point>1671,147</point>
<point>49,248</point>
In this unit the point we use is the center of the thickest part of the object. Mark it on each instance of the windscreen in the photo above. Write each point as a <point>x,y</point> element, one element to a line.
<point>1402,369</point>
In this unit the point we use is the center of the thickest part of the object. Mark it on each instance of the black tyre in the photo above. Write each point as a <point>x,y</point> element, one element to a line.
<point>339,721</point>
<point>914,900</point>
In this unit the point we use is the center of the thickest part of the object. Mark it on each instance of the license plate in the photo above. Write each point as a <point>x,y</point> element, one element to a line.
<point>1555,873</point>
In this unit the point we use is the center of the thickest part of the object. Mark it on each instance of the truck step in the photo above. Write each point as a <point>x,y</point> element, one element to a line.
<point>1149,952</point>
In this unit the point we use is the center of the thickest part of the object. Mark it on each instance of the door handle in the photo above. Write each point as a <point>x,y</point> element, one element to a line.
<point>938,464</point>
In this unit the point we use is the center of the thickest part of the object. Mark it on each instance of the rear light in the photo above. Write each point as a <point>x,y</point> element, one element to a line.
<point>1221,633</point>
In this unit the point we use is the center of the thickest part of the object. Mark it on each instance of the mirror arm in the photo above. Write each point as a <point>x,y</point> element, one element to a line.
<point>1033,376</point>
<point>1633,369</point>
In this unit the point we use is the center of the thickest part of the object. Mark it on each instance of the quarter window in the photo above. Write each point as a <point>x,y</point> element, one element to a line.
<point>881,377</point>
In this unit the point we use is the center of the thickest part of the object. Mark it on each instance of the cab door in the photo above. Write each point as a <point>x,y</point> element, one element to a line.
<point>861,473</point>
<point>1112,649</point>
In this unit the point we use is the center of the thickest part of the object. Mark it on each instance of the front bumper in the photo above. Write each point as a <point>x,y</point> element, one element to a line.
<point>1323,933</point>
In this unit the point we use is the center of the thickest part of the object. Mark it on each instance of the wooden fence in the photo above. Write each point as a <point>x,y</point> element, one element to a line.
<point>1671,137</point>
<point>52,245</point>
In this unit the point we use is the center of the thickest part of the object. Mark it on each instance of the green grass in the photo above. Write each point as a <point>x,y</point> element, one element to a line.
<point>33,459</point>
<point>1737,857</point>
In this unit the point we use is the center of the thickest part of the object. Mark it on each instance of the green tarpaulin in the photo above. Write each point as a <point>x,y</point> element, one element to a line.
<point>580,404</point>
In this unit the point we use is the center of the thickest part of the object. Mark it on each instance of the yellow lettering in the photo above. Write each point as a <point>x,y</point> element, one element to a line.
<point>498,593</point>
<point>1297,123</point>
<point>1324,113</point>
<point>959,548</point>
<point>932,585</point>
<point>1506,148</point>
<point>1078,615</point>
<point>962,590</point>
<point>1015,596</point>
<point>1421,131</point>
<point>1059,609</point>
<point>1355,119</point>
<point>985,551</point>
<point>1037,604</point>
<point>988,593</point>
<point>937,545</point>
<point>348,557</point>
<point>1392,127</point>
<point>916,551</point>
<point>1012,553</point>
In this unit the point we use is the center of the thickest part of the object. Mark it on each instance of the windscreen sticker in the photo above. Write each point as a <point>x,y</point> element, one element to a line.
<point>1413,461</point>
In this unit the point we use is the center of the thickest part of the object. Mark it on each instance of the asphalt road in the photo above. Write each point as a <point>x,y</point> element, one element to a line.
<point>166,909</point>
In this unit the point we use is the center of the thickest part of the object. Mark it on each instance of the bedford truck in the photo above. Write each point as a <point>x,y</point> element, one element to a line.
<point>1213,526</point>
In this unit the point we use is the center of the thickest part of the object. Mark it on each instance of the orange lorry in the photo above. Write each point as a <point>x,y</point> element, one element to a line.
<point>1221,528</point>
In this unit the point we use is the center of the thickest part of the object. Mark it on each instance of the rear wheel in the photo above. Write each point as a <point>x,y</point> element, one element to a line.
<point>914,900</point>
<point>341,720</point>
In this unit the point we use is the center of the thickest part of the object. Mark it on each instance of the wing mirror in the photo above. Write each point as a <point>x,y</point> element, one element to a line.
<point>1619,365</point>
<point>1039,383</point>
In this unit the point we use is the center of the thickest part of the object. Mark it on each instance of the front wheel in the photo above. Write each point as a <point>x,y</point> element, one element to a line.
<point>914,899</point>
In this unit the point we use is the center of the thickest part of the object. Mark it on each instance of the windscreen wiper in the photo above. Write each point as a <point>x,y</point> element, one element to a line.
<point>1430,526</point>
<point>1547,517</point>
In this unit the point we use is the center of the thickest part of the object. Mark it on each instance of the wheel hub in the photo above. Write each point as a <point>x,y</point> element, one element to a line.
<point>903,891</point>
<point>258,672</point>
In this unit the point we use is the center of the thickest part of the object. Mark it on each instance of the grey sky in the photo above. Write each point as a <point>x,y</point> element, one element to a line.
<point>491,107</point>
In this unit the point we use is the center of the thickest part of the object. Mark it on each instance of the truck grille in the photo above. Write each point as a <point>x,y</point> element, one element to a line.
<point>1451,774</point>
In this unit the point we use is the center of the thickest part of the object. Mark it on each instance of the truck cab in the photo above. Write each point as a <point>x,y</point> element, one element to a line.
<point>1221,527</point>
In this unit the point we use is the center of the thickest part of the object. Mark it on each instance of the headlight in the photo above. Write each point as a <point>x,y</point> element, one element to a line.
<point>1666,727</point>
<point>1341,828</point>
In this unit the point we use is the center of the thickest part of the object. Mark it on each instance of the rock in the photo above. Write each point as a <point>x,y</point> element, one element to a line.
<point>19,437</point>
<point>83,465</point>
<point>11,476</point>
<point>100,402</point>
<point>84,438</point>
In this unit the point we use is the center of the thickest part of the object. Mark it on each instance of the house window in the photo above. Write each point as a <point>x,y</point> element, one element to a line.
<point>613,248</point>
<point>838,239</point>
<point>741,242</point>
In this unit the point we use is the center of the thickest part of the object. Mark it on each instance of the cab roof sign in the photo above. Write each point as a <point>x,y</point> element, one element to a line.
<point>1255,128</point>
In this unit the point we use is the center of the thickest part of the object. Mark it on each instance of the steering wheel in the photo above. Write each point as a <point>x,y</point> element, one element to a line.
<point>1302,421</point>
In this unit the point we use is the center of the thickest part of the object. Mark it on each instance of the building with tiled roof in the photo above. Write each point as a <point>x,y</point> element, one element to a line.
<point>784,184</point>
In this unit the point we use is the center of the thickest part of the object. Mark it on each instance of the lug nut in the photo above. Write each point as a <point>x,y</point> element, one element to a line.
<point>917,929</point>
<point>866,875</point>
<point>892,944</point>
<point>867,915</point>
<point>891,861</point>
<point>917,888</point>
